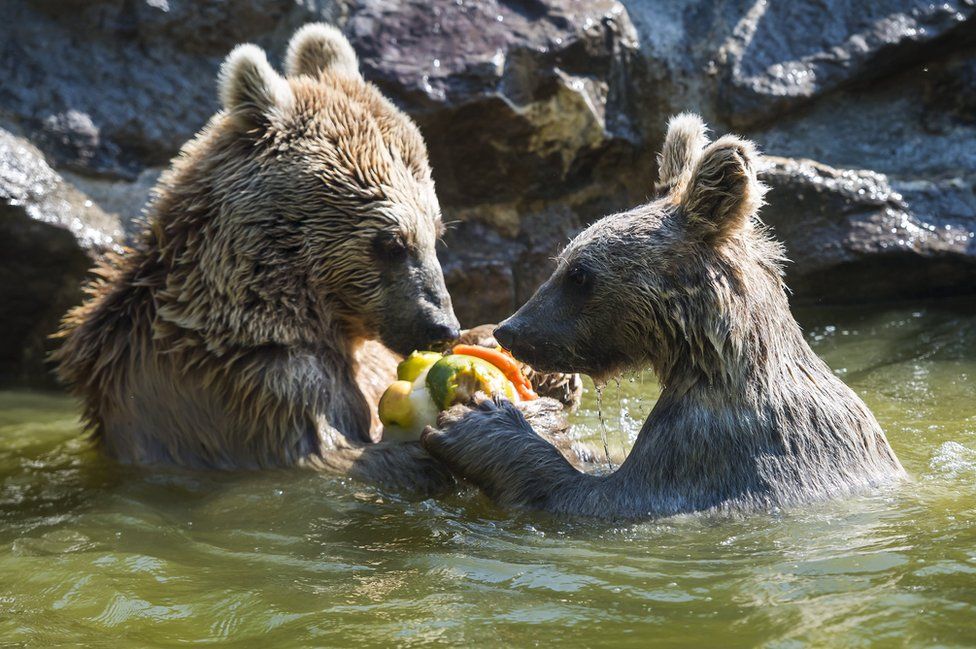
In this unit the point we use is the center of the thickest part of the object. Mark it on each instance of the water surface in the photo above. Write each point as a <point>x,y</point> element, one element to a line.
<point>96,554</point>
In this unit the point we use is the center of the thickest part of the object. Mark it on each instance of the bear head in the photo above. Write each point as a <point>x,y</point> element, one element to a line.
<point>326,216</point>
<point>661,284</point>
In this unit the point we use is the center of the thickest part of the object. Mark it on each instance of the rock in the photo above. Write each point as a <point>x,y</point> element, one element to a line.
<point>852,237</point>
<point>478,270</point>
<point>518,101</point>
<point>906,228</point>
<point>950,95</point>
<point>49,235</point>
<point>782,54</point>
<point>909,125</point>
<point>122,199</point>
<point>109,87</point>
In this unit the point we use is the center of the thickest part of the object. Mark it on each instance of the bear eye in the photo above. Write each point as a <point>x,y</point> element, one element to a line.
<point>390,246</point>
<point>579,276</point>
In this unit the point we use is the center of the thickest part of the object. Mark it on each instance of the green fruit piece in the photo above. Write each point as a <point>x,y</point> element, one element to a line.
<point>395,408</point>
<point>413,365</point>
<point>455,379</point>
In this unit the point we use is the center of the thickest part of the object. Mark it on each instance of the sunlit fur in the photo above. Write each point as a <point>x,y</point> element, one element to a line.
<point>238,331</point>
<point>681,151</point>
<point>691,284</point>
<point>316,46</point>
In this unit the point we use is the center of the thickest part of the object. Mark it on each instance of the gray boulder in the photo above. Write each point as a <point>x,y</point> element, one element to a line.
<point>50,233</point>
<point>517,100</point>
<point>781,55</point>
<point>109,87</point>
<point>851,236</point>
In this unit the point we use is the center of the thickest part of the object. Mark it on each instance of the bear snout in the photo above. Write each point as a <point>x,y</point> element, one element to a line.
<point>440,333</point>
<point>506,335</point>
<point>520,343</point>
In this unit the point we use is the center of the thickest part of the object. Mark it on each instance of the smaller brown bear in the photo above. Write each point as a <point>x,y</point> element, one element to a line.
<point>690,284</point>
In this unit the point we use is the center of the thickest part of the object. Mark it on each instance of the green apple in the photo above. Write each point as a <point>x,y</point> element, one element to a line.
<point>413,365</point>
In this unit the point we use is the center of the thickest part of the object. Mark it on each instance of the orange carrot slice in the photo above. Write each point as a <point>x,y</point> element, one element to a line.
<point>508,365</point>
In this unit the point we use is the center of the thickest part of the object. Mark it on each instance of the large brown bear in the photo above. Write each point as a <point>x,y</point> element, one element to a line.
<point>690,284</point>
<point>297,227</point>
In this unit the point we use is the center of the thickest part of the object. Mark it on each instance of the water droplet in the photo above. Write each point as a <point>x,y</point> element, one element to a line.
<point>603,422</point>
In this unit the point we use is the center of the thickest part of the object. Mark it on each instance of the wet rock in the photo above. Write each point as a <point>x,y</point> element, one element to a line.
<point>909,125</point>
<point>517,100</point>
<point>915,130</point>
<point>478,270</point>
<point>49,235</point>
<point>950,95</point>
<point>539,90</point>
<point>109,87</point>
<point>121,199</point>
<point>852,236</point>
<point>782,54</point>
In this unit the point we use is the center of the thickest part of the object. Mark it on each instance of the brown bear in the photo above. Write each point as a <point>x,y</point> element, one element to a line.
<point>691,284</point>
<point>297,228</point>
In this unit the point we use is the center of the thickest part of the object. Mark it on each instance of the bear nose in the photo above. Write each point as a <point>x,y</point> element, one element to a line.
<point>506,335</point>
<point>442,333</point>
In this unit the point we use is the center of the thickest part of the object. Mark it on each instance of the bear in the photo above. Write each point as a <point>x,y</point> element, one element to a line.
<point>288,258</point>
<point>692,285</point>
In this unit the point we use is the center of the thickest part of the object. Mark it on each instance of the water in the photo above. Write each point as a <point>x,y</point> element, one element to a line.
<point>96,554</point>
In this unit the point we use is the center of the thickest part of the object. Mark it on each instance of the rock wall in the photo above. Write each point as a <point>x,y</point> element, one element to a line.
<point>540,115</point>
<point>49,234</point>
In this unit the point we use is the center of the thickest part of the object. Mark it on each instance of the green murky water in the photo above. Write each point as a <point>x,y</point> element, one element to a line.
<point>96,554</point>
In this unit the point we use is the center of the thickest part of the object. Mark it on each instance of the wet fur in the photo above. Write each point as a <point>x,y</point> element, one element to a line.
<point>691,284</point>
<point>241,329</point>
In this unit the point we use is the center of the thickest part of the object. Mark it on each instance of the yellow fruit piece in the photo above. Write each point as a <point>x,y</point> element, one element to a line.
<point>395,408</point>
<point>413,365</point>
<point>405,410</point>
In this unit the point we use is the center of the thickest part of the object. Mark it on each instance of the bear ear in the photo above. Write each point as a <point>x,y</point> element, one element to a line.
<point>249,88</point>
<point>723,192</point>
<point>318,47</point>
<point>682,147</point>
